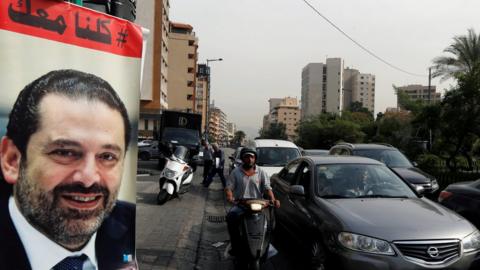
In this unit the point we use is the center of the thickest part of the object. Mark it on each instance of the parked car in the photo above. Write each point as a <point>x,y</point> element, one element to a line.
<point>235,159</point>
<point>314,152</point>
<point>394,159</point>
<point>148,151</point>
<point>347,212</point>
<point>144,143</point>
<point>463,198</point>
<point>272,155</point>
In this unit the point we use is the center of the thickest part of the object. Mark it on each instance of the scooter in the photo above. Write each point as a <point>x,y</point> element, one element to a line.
<point>176,176</point>
<point>256,227</point>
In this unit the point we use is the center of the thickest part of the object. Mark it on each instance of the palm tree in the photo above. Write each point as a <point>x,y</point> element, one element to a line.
<point>465,60</point>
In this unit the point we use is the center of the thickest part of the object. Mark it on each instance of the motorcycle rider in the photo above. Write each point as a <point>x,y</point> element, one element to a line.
<point>245,181</point>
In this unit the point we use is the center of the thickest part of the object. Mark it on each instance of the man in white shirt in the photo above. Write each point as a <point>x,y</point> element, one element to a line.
<point>63,156</point>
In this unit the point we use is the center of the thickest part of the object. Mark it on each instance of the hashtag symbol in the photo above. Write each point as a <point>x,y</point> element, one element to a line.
<point>122,38</point>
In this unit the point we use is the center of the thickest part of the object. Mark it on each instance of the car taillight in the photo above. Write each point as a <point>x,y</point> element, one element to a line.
<point>444,195</point>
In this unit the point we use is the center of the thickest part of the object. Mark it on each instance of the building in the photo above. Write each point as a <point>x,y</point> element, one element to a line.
<point>358,87</point>
<point>182,66</point>
<point>322,88</point>
<point>331,88</point>
<point>420,92</point>
<point>218,126</point>
<point>231,129</point>
<point>283,110</point>
<point>201,98</point>
<point>153,16</point>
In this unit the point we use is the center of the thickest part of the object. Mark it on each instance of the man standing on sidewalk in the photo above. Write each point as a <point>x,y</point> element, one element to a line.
<point>218,163</point>
<point>207,160</point>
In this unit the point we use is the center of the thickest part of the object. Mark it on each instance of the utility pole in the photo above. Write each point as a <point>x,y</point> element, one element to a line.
<point>429,103</point>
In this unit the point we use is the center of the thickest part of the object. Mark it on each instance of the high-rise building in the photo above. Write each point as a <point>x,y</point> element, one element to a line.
<point>420,92</point>
<point>322,87</point>
<point>358,87</point>
<point>231,129</point>
<point>201,99</point>
<point>182,67</point>
<point>286,111</point>
<point>218,125</point>
<point>153,16</point>
<point>331,88</point>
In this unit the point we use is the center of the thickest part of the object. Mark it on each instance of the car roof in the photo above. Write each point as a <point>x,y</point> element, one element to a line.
<point>366,145</point>
<point>274,143</point>
<point>318,160</point>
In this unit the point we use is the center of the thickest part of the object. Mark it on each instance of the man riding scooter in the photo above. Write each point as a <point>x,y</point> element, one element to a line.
<point>245,182</point>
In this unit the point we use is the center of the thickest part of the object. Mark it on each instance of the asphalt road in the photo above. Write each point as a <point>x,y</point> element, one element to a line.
<point>188,232</point>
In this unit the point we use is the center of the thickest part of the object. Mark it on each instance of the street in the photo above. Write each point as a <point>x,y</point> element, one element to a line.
<point>188,232</point>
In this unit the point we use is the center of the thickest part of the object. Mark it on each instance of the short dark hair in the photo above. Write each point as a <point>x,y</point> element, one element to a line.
<point>24,118</point>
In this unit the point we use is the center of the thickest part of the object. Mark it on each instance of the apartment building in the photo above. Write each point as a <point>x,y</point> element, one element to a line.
<point>231,129</point>
<point>153,16</point>
<point>217,128</point>
<point>331,88</point>
<point>182,67</point>
<point>420,92</point>
<point>284,110</point>
<point>201,98</point>
<point>322,87</point>
<point>358,87</point>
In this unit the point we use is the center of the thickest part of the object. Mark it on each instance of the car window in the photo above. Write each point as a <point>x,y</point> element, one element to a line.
<point>340,151</point>
<point>392,158</point>
<point>359,180</point>
<point>303,176</point>
<point>276,156</point>
<point>288,173</point>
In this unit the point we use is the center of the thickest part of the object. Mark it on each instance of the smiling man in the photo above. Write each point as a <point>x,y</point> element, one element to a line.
<point>63,154</point>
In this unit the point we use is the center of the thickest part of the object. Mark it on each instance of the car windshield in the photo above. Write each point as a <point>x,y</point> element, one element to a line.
<point>180,135</point>
<point>276,156</point>
<point>392,158</point>
<point>359,181</point>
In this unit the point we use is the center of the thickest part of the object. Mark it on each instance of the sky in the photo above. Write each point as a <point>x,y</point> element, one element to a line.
<point>266,43</point>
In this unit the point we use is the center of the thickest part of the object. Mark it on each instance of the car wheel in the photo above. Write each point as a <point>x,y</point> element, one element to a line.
<point>318,257</point>
<point>144,156</point>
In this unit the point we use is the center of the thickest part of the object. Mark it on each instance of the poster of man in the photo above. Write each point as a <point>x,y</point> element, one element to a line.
<point>68,109</point>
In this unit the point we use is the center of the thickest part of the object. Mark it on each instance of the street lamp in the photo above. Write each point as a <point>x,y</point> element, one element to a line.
<point>207,121</point>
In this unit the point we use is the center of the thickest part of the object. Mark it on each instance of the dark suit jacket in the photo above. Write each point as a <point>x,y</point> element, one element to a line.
<point>115,238</point>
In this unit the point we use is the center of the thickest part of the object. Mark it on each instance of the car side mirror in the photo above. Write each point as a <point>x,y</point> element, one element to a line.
<point>415,164</point>
<point>297,190</point>
<point>420,190</point>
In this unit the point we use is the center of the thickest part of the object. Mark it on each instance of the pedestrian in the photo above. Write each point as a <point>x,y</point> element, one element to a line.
<point>217,168</point>
<point>207,160</point>
<point>63,156</point>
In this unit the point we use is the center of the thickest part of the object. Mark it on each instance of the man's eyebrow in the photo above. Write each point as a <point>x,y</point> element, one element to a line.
<point>112,147</point>
<point>62,143</point>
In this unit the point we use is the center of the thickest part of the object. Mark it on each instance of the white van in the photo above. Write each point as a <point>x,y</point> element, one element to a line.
<point>272,155</point>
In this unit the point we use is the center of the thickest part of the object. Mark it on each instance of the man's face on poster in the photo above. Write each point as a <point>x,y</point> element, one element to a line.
<point>70,177</point>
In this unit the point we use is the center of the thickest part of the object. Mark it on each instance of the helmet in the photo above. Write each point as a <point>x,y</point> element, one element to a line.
<point>247,150</point>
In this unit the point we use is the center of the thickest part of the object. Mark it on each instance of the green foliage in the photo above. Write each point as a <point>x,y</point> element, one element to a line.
<point>406,103</point>
<point>429,162</point>
<point>274,131</point>
<point>238,138</point>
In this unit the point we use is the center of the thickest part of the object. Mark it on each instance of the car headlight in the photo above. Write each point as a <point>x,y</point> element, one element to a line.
<point>471,242</point>
<point>364,243</point>
<point>434,185</point>
<point>169,173</point>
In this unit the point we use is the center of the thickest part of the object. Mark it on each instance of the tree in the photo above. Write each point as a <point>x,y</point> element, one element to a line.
<point>238,138</point>
<point>465,57</point>
<point>357,106</point>
<point>274,131</point>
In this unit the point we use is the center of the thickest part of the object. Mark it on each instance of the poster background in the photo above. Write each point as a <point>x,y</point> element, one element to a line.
<point>24,58</point>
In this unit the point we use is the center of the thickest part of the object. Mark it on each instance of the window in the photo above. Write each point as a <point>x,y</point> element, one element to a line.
<point>289,173</point>
<point>146,124</point>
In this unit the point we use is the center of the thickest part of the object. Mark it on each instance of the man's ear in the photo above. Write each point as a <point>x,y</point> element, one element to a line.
<point>10,160</point>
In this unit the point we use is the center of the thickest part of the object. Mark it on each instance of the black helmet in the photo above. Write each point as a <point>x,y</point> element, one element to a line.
<point>247,150</point>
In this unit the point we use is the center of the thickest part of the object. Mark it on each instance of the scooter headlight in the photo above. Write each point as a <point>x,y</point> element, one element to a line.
<point>169,173</point>
<point>256,207</point>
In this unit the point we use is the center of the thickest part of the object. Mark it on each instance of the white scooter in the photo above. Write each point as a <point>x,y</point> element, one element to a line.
<point>176,176</point>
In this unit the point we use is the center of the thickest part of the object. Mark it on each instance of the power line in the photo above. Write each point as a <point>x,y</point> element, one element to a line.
<point>360,45</point>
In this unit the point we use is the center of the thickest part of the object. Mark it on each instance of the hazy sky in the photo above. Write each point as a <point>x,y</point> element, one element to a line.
<point>266,43</point>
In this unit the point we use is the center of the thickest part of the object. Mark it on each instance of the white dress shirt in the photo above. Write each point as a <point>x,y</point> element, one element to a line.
<point>42,252</point>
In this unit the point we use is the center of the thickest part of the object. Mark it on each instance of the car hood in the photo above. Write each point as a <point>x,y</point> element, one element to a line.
<point>399,219</point>
<point>413,175</point>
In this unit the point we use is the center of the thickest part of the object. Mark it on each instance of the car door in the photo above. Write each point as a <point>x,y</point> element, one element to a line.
<point>301,216</point>
<point>281,183</point>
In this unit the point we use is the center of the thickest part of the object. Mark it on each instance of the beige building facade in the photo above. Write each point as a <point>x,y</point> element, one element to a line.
<point>284,110</point>
<point>420,92</point>
<point>218,125</point>
<point>153,16</point>
<point>358,87</point>
<point>182,67</point>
